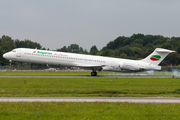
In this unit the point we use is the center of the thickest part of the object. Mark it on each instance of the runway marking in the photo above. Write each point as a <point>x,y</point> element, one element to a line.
<point>92,99</point>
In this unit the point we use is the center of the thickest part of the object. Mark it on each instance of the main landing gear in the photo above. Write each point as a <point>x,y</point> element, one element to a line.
<point>93,73</point>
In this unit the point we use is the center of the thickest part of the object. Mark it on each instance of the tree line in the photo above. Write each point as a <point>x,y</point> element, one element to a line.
<point>137,46</point>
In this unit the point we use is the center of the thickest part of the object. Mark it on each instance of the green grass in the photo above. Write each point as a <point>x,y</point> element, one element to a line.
<point>45,73</point>
<point>84,73</point>
<point>88,111</point>
<point>89,87</point>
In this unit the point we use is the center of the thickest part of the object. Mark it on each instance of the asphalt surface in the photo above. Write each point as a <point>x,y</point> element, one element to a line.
<point>135,76</point>
<point>92,99</point>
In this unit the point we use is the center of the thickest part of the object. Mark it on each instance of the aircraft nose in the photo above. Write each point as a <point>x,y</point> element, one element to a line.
<point>6,56</point>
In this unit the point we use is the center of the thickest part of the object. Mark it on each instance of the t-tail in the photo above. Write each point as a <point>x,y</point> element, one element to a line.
<point>156,57</point>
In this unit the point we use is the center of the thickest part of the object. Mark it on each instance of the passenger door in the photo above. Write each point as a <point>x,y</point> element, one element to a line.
<point>18,53</point>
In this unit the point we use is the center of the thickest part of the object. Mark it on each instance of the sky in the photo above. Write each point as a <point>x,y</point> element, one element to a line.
<point>58,23</point>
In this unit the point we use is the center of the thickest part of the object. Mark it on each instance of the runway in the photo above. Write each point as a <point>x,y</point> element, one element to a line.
<point>92,99</point>
<point>130,76</point>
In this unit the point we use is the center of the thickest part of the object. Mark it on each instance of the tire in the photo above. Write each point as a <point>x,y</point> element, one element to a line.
<point>93,73</point>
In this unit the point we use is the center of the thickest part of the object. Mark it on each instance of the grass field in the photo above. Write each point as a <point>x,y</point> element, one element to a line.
<point>86,87</point>
<point>84,73</point>
<point>45,73</point>
<point>89,87</point>
<point>88,111</point>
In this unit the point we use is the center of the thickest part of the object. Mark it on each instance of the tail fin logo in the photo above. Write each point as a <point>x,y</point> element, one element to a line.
<point>155,57</point>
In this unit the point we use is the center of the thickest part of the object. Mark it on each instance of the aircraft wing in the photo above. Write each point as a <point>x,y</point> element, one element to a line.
<point>89,65</point>
<point>96,67</point>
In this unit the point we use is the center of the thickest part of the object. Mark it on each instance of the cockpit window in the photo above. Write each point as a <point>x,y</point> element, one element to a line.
<point>13,50</point>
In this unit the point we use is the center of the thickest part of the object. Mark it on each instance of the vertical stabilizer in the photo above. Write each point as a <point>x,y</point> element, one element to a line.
<point>157,56</point>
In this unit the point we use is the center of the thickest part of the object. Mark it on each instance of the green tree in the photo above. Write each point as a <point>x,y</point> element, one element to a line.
<point>7,41</point>
<point>63,49</point>
<point>85,52</point>
<point>81,51</point>
<point>27,44</point>
<point>74,48</point>
<point>108,53</point>
<point>93,50</point>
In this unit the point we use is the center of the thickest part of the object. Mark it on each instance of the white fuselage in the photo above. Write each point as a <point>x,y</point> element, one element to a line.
<point>78,60</point>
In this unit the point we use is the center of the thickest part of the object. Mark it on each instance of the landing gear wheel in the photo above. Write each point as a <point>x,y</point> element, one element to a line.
<point>93,73</point>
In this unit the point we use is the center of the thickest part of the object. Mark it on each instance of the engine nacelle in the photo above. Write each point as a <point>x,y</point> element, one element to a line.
<point>131,66</point>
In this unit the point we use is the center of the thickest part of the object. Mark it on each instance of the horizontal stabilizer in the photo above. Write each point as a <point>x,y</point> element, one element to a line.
<point>160,50</point>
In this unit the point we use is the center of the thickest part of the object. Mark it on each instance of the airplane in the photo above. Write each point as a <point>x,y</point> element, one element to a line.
<point>90,62</point>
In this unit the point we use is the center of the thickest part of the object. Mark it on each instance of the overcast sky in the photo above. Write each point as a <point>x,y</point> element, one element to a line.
<point>58,23</point>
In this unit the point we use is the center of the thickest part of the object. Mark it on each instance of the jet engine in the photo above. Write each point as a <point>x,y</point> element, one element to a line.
<point>131,67</point>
